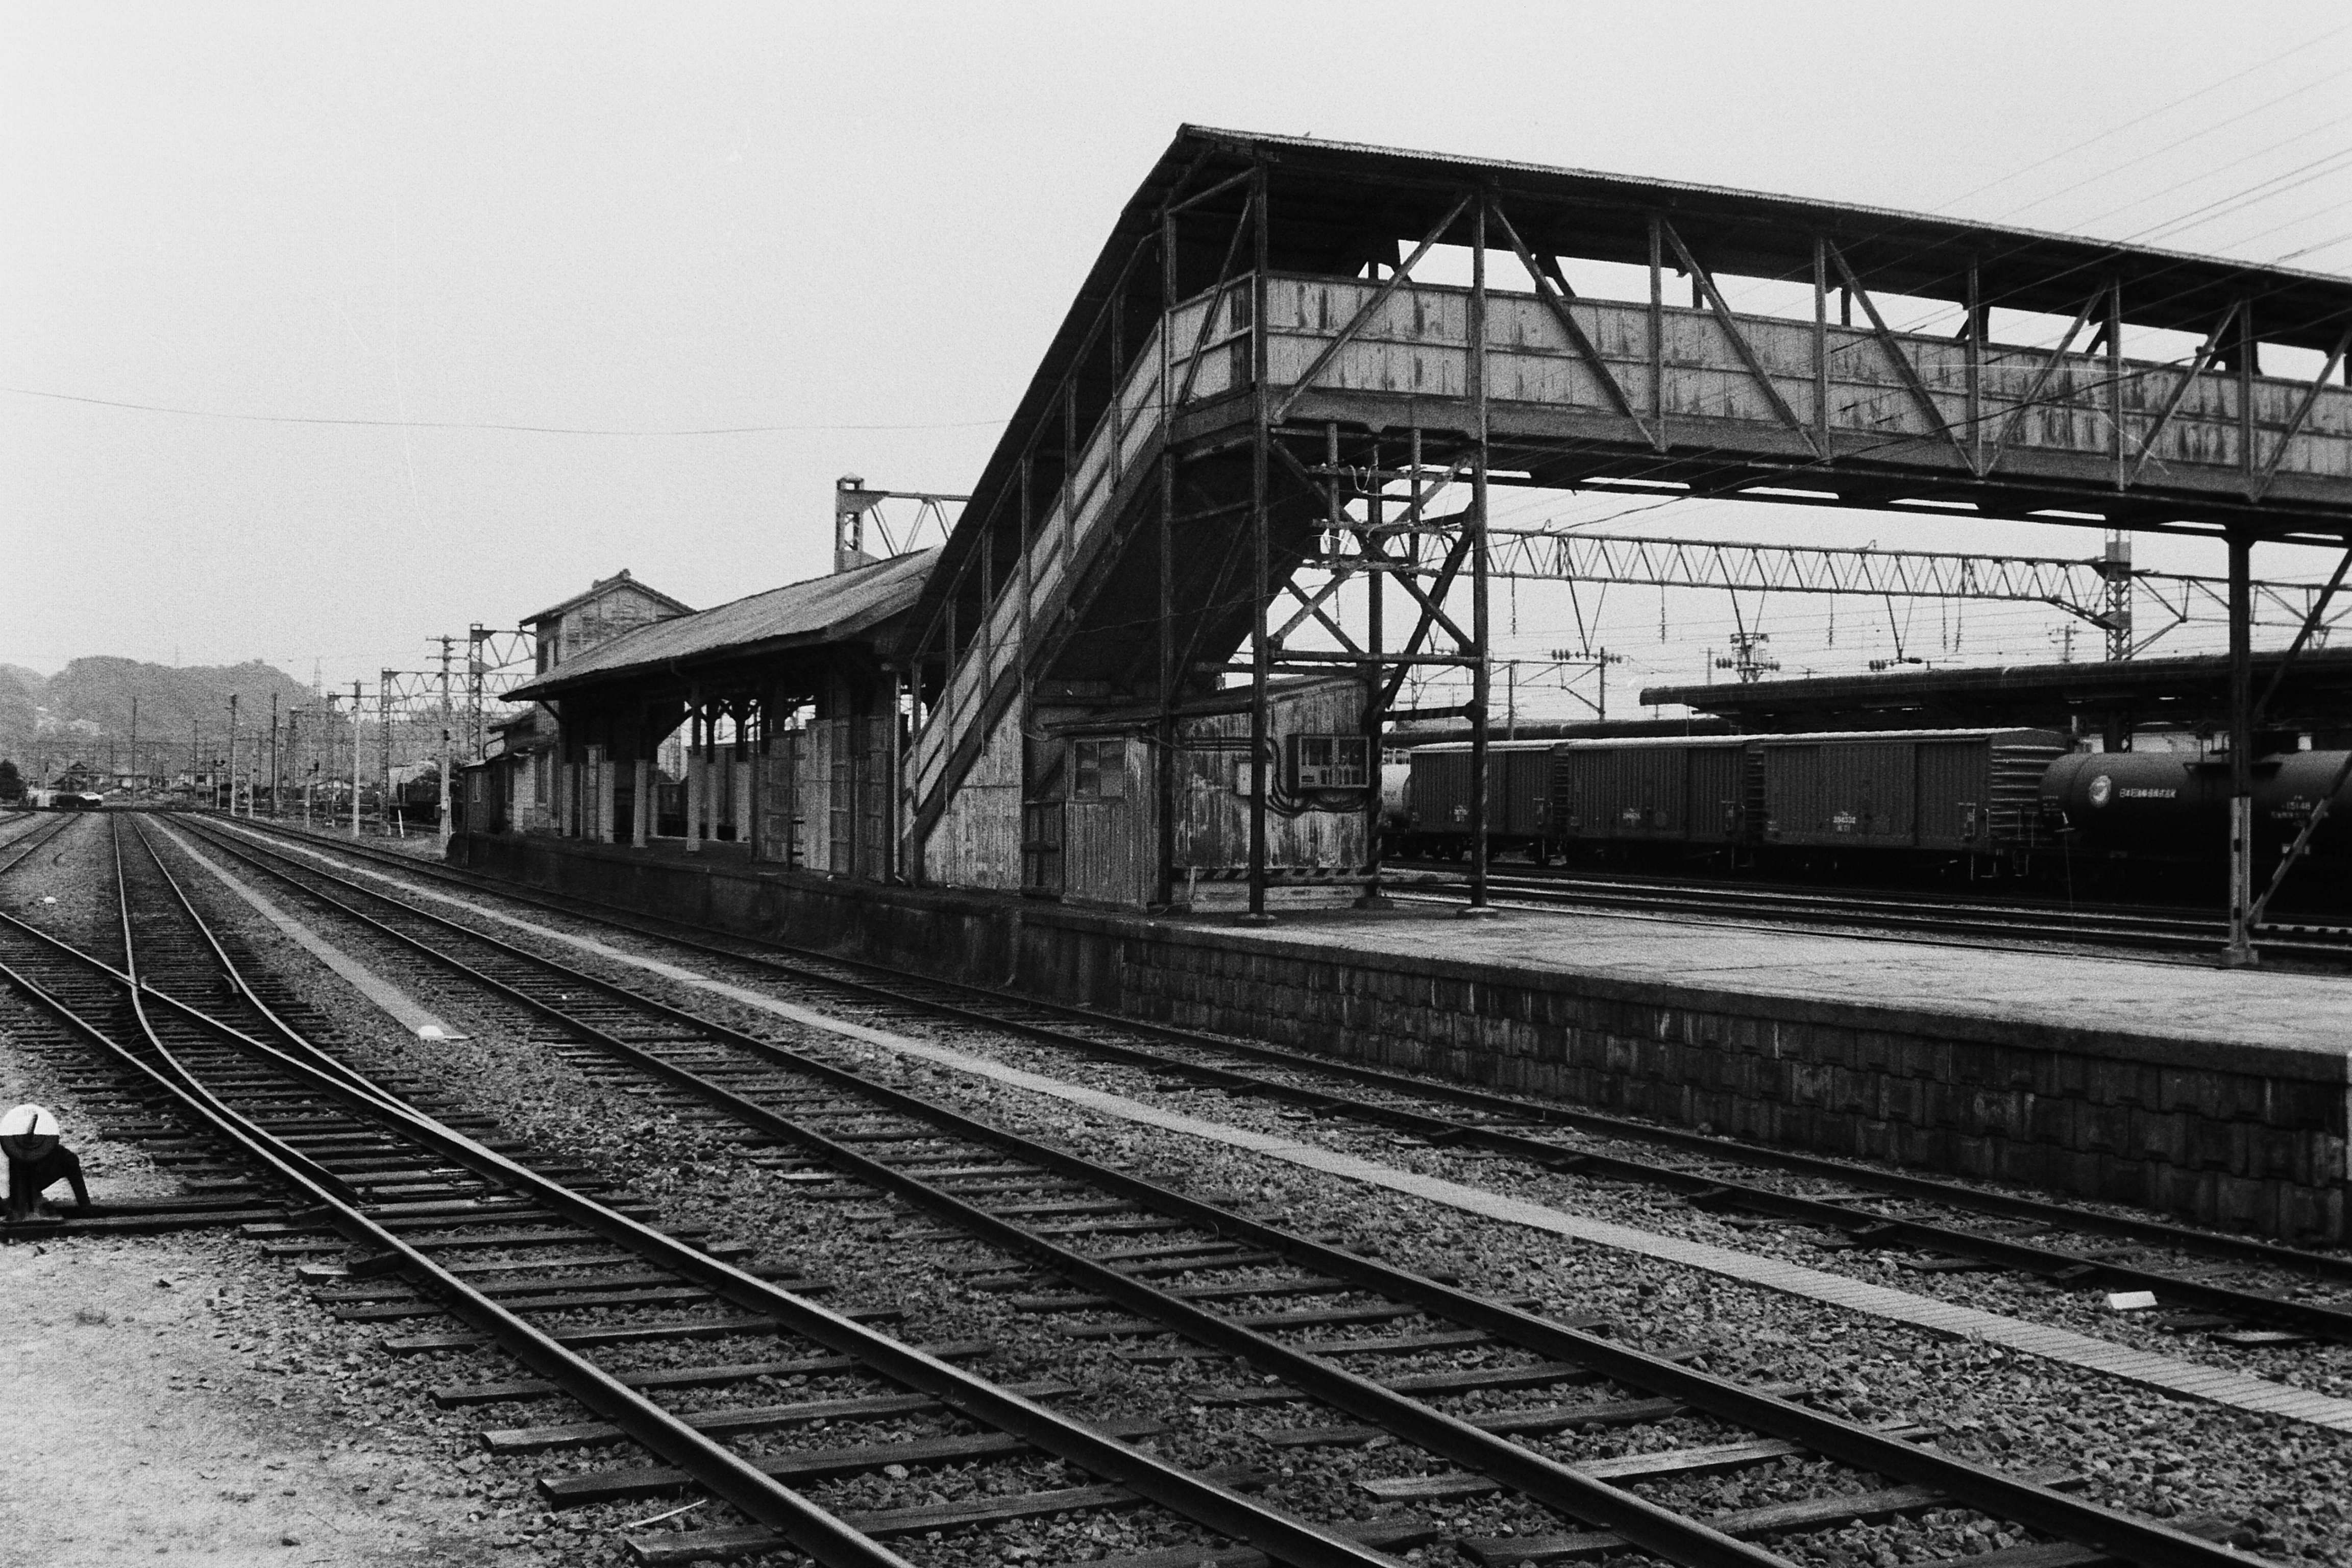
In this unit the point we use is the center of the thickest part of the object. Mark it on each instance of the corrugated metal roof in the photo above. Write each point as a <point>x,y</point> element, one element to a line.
<point>820,610</point>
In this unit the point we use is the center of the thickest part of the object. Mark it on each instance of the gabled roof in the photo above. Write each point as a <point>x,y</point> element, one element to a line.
<point>601,586</point>
<point>799,614</point>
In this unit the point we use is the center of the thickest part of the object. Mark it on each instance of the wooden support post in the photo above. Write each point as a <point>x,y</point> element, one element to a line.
<point>1481,668</point>
<point>2240,953</point>
<point>1261,652</point>
<point>2115,379</point>
<point>1821,343</point>
<point>1976,313</point>
<point>694,790</point>
<point>1657,331</point>
<point>1374,581</point>
<point>1164,760</point>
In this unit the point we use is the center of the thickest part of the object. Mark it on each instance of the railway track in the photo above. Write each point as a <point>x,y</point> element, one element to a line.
<point>439,1222</point>
<point>2245,1292</point>
<point>1142,1264</point>
<point>2022,923</point>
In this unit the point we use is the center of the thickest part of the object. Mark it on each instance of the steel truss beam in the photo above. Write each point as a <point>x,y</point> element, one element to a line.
<point>2083,588</point>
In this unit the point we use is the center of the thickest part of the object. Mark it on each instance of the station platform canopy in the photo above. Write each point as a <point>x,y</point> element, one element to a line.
<point>2188,693</point>
<point>861,605</point>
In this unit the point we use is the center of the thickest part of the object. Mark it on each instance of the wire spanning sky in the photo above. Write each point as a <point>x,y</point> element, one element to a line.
<point>332,329</point>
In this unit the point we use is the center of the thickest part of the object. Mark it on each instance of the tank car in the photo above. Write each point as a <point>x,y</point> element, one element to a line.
<point>2136,816</point>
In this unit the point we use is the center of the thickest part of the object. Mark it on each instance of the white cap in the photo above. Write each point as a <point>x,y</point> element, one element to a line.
<point>28,1121</point>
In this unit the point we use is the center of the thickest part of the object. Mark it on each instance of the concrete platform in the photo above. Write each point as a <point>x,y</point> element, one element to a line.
<point>2219,1095</point>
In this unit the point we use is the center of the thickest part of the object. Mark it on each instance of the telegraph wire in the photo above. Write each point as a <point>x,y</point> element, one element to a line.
<point>474,425</point>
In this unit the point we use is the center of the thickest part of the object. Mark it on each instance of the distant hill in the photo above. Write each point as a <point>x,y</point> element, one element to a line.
<point>74,714</point>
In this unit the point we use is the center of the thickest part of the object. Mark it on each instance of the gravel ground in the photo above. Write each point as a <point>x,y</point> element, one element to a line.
<point>2323,1367</point>
<point>2137,1450</point>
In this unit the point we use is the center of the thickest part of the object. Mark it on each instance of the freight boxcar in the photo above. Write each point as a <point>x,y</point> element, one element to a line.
<point>1519,798</point>
<point>1683,790</point>
<point>1944,792</point>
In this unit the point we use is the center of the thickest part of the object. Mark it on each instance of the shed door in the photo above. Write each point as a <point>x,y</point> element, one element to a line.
<point>1044,816</point>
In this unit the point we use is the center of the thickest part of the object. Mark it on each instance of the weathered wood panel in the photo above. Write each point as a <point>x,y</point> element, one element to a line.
<point>1323,831</point>
<point>977,842</point>
<point>1416,344</point>
<point>777,776</point>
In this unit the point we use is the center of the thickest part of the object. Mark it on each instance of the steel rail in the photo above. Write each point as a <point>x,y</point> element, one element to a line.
<point>32,838</point>
<point>2027,1502</point>
<point>1437,1128</point>
<point>727,1474</point>
<point>1204,1502</point>
<point>1682,1540</point>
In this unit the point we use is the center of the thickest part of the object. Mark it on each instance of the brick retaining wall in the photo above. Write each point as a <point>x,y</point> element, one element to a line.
<point>2254,1139</point>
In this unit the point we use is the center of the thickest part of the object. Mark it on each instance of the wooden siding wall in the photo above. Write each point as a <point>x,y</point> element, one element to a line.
<point>1110,847</point>
<point>812,794</point>
<point>1212,821</point>
<point>1414,345</point>
<point>777,777</point>
<point>977,843</point>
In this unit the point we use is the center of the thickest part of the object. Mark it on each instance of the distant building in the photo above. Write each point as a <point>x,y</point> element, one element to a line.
<point>610,606</point>
<point>523,750</point>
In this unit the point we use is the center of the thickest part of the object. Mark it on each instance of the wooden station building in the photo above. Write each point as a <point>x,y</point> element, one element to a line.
<point>784,711</point>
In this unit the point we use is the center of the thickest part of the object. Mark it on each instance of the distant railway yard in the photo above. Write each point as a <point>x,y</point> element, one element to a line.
<point>440,1220</point>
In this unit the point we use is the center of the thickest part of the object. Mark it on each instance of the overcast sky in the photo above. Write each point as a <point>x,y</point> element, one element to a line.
<point>861,222</point>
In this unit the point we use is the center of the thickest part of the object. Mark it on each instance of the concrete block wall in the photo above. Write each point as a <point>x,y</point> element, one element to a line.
<point>2254,1138</point>
<point>2251,1137</point>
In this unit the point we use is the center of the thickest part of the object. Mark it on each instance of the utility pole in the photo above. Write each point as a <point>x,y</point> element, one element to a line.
<point>134,739</point>
<point>476,682</point>
<point>384,743</point>
<point>445,656</point>
<point>276,780</point>
<point>231,754</point>
<point>355,762</point>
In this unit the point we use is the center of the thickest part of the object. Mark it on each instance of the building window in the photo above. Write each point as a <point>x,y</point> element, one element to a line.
<point>1101,770</point>
<point>1328,762</point>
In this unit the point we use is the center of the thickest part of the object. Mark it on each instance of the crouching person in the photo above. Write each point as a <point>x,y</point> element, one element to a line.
<point>37,1160</point>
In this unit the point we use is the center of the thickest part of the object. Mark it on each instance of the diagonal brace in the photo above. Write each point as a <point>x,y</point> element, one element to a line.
<point>1370,308</point>
<point>1550,291</point>
<point>2303,412</point>
<point>2016,419</point>
<point>1902,362</point>
<point>2205,356</point>
<point>1740,343</point>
